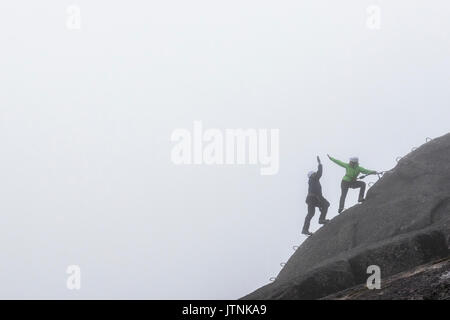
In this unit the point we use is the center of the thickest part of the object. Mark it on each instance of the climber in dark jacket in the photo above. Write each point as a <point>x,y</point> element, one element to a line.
<point>315,199</point>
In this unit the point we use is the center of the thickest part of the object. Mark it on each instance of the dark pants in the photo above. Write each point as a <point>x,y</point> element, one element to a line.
<point>345,185</point>
<point>314,201</point>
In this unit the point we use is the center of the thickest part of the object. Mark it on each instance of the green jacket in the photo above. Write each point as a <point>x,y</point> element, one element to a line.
<point>351,173</point>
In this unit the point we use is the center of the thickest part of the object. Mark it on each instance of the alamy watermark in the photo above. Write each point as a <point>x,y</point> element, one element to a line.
<point>374,281</point>
<point>74,280</point>
<point>227,147</point>
<point>373,21</point>
<point>73,21</point>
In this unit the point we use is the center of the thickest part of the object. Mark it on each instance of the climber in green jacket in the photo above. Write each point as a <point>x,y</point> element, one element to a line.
<point>353,169</point>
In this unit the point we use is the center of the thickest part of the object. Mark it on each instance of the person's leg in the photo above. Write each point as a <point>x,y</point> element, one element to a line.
<point>324,204</point>
<point>311,211</point>
<point>362,190</point>
<point>344,190</point>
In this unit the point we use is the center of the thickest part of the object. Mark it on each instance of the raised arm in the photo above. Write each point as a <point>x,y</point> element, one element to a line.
<point>338,162</point>
<point>319,169</point>
<point>367,171</point>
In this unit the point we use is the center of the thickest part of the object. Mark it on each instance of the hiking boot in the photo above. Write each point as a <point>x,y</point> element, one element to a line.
<point>324,221</point>
<point>340,210</point>
<point>361,200</point>
<point>307,233</point>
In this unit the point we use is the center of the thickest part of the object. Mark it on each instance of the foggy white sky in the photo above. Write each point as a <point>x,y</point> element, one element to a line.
<point>86,117</point>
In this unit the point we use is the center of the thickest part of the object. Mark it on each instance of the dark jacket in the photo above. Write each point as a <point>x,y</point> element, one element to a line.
<point>314,184</point>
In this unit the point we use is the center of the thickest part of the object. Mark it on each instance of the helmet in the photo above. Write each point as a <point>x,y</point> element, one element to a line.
<point>354,159</point>
<point>310,174</point>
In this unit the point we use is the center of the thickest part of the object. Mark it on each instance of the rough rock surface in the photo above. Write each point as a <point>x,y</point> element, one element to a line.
<point>404,223</point>
<point>426,282</point>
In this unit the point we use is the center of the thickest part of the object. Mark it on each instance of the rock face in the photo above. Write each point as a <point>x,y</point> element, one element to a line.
<point>404,223</point>
<point>426,282</point>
